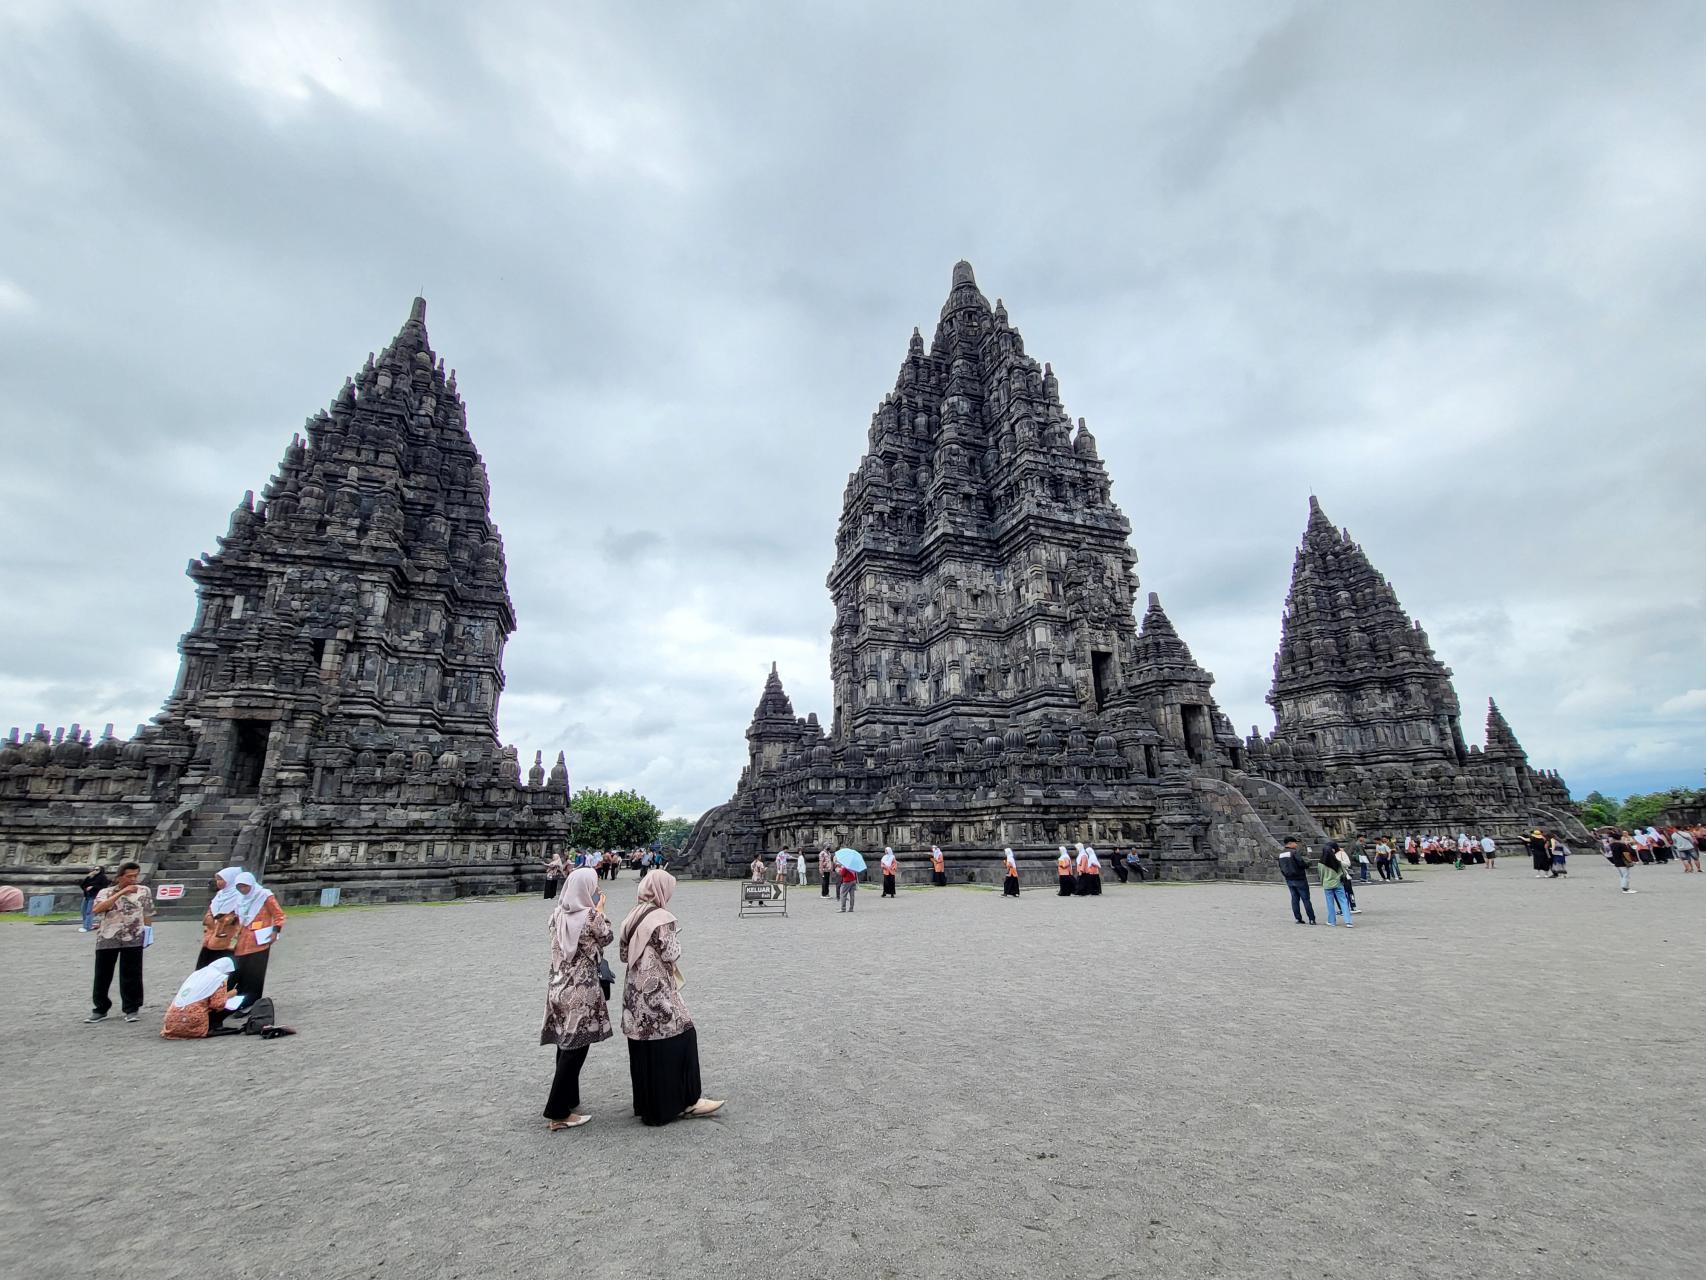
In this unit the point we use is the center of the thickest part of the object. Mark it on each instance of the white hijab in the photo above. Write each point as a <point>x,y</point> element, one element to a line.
<point>227,900</point>
<point>935,851</point>
<point>888,856</point>
<point>1011,860</point>
<point>204,982</point>
<point>1090,852</point>
<point>249,904</point>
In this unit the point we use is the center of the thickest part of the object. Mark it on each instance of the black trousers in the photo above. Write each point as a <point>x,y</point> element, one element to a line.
<point>128,962</point>
<point>566,1083</point>
<point>826,884</point>
<point>1120,871</point>
<point>252,976</point>
<point>1300,898</point>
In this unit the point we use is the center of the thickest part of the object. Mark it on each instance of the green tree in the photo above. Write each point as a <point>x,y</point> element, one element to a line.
<point>1644,811</point>
<point>1600,810</point>
<point>673,832</point>
<point>613,820</point>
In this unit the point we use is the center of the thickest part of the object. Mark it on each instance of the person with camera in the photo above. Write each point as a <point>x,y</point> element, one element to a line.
<point>577,1012</point>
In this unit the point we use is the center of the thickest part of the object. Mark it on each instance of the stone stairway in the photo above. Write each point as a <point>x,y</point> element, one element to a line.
<point>224,831</point>
<point>1281,812</point>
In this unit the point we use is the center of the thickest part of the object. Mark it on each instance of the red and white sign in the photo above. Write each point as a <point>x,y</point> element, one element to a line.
<point>168,892</point>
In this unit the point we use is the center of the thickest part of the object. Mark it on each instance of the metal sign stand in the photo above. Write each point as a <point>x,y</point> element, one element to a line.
<point>762,898</point>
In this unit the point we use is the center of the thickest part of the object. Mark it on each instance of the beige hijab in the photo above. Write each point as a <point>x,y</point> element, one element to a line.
<point>650,913</point>
<point>574,909</point>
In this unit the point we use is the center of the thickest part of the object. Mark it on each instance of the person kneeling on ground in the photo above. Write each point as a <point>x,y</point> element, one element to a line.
<point>198,1010</point>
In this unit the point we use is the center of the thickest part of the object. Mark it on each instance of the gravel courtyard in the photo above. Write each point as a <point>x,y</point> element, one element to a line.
<point>1492,1076</point>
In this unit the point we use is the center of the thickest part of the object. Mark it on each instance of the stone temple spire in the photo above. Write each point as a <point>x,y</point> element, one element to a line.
<point>974,504</point>
<point>1501,742</point>
<point>1158,643</point>
<point>1354,677</point>
<point>774,702</point>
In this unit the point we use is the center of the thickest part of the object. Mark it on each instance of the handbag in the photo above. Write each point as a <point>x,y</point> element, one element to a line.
<point>606,976</point>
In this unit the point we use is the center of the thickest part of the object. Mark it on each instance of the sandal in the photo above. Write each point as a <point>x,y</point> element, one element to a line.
<point>703,1107</point>
<point>571,1123</point>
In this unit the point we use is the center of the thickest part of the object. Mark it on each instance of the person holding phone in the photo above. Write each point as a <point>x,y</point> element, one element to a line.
<point>123,913</point>
<point>260,923</point>
<point>577,1014</point>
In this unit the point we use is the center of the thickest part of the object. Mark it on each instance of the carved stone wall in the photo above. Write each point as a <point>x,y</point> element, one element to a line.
<point>335,708</point>
<point>994,686</point>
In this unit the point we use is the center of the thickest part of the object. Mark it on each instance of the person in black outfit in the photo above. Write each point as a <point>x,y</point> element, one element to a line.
<point>1295,868</point>
<point>92,884</point>
<point>1119,866</point>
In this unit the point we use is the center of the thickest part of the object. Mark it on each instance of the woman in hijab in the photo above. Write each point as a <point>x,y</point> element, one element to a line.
<point>553,876</point>
<point>576,1015</point>
<point>938,868</point>
<point>1010,877</point>
<point>889,866</point>
<point>663,1044</point>
<point>260,921</point>
<point>1081,864</point>
<point>219,922</point>
<point>1093,871</point>
<point>198,1009</point>
<point>1064,863</point>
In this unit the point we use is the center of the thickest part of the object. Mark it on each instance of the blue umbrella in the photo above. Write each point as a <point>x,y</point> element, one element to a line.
<point>852,859</point>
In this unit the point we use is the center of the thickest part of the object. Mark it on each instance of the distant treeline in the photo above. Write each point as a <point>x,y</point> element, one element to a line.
<point>1599,810</point>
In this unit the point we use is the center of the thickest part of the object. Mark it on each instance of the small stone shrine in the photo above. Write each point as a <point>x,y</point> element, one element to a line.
<point>334,720</point>
<point>993,685</point>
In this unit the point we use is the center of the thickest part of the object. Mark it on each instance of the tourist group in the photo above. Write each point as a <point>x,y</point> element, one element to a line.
<point>242,924</point>
<point>606,863</point>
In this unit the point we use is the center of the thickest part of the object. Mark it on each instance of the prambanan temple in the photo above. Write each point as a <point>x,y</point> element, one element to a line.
<point>994,685</point>
<point>334,720</point>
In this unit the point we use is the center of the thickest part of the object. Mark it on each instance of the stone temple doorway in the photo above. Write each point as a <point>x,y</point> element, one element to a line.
<point>1195,717</point>
<point>248,756</point>
<point>1102,674</point>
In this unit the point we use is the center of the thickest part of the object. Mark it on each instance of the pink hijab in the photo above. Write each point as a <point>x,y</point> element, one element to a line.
<point>574,906</point>
<point>650,913</point>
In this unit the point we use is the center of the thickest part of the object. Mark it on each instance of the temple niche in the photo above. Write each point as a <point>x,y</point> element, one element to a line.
<point>334,718</point>
<point>994,686</point>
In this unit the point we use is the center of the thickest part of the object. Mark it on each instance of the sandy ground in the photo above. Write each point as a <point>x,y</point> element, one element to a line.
<point>1491,1076</point>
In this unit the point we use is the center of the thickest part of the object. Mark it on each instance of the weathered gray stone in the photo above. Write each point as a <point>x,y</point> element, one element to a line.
<point>993,686</point>
<point>336,707</point>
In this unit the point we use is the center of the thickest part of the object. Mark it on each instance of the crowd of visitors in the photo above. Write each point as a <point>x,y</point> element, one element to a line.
<point>606,864</point>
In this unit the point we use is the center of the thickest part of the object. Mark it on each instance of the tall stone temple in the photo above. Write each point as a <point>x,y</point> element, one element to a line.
<point>335,716</point>
<point>993,685</point>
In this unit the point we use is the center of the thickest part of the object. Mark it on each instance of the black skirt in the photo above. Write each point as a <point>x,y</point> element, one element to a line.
<point>665,1075</point>
<point>551,887</point>
<point>1066,886</point>
<point>1010,886</point>
<point>939,878</point>
<point>252,976</point>
<point>888,887</point>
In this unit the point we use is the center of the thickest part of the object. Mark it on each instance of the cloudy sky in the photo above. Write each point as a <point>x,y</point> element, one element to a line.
<point>1442,265</point>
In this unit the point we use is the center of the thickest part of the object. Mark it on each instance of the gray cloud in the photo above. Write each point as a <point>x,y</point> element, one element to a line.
<point>1439,264</point>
